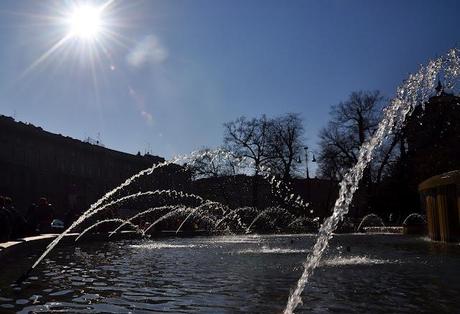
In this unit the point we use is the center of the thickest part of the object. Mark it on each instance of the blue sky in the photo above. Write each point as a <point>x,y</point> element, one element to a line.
<point>179,69</point>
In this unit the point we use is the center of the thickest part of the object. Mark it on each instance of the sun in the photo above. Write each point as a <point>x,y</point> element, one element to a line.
<point>85,22</point>
<point>83,28</point>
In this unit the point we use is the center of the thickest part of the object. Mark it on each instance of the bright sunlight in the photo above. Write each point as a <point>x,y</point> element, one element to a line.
<point>85,22</point>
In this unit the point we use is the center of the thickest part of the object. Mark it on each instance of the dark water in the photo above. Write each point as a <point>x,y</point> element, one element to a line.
<point>243,274</point>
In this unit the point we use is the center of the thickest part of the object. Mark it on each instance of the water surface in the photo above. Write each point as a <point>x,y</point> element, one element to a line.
<point>243,274</point>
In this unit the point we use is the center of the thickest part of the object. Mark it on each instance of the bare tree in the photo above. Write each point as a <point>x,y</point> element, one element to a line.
<point>335,155</point>
<point>275,143</point>
<point>249,139</point>
<point>352,123</point>
<point>213,163</point>
<point>285,143</point>
<point>218,166</point>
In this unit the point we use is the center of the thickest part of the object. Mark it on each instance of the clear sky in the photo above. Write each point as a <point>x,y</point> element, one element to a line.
<point>167,74</point>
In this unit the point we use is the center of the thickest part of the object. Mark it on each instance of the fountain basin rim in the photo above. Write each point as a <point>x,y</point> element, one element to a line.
<point>447,178</point>
<point>22,245</point>
<point>384,230</point>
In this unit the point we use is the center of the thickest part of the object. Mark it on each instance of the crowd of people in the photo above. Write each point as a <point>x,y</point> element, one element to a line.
<point>14,225</point>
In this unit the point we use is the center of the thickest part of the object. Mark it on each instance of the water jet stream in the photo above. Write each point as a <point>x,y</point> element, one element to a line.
<point>136,227</point>
<point>145,212</point>
<point>416,89</point>
<point>177,211</point>
<point>265,213</point>
<point>368,217</point>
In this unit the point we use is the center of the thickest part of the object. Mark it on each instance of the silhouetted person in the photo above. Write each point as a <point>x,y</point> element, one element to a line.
<point>70,217</point>
<point>5,223</point>
<point>32,219</point>
<point>74,212</point>
<point>17,221</point>
<point>45,215</point>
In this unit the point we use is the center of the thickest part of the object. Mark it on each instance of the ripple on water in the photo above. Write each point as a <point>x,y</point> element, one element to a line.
<point>162,245</point>
<point>355,260</point>
<point>253,277</point>
<point>7,306</point>
<point>22,301</point>
<point>236,239</point>
<point>61,293</point>
<point>268,250</point>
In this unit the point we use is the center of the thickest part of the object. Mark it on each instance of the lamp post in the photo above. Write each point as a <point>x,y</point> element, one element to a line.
<point>308,172</point>
<point>306,161</point>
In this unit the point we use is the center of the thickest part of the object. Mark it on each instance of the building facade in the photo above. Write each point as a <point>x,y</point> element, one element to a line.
<point>70,173</point>
<point>433,137</point>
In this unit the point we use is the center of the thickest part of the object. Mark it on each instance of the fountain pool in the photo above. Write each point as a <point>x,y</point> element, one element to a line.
<point>397,275</point>
<point>247,274</point>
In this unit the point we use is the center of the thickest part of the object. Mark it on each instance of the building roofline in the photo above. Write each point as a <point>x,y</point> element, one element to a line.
<point>39,131</point>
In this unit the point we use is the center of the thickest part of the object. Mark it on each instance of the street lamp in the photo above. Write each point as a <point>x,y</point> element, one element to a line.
<point>307,172</point>
<point>306,161</point>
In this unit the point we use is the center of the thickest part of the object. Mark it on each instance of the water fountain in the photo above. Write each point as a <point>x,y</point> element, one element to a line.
<point>276,211</point>
<point>415,90</point>
<point>414,218</point>
<point>370,220</point>
<point>106,201</point>
<point>415,223</point>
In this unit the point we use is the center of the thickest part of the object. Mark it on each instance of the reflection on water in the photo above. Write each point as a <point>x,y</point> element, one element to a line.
<point>272,250</point>
<point>354,260</point>
<point>242,274</point>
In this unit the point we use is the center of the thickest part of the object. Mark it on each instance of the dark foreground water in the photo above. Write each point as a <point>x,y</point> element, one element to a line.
<point>243,274</point>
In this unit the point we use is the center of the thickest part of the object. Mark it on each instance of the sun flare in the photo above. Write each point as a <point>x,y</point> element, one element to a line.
<point>83,29</point>
<point>85,22</point>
